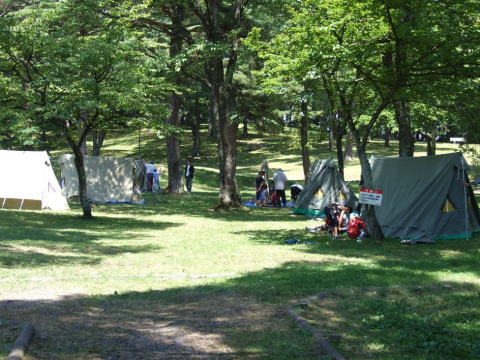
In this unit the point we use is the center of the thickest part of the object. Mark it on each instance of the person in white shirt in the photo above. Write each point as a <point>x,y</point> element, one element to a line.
<point>295,189</point>
<point>149,171</point>
<point>280,181</point>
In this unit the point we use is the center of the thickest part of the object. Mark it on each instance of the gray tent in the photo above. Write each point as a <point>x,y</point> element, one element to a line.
<point>424,198</point>
<point>325,186</point>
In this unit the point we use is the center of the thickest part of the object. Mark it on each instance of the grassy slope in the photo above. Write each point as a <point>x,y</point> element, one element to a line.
<point>176,248</point>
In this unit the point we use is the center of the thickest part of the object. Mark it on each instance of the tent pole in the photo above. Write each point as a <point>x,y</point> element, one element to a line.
<point>139,138</point>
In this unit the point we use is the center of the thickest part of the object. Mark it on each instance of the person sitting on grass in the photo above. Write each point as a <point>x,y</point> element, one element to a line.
<point>344,218</point>
<point>332,213</point>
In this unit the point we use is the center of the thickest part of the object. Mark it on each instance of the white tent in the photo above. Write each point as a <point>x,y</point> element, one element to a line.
<point>109,179</point>
<point>27,181</point>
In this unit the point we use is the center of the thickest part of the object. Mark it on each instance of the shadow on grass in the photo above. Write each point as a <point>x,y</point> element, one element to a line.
<point>42,238</point>
<point>239,318</point>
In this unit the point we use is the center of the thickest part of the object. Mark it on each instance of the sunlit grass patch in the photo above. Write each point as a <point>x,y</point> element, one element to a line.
<point>439,321</point>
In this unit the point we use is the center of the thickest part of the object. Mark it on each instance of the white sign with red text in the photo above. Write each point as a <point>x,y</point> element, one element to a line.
<point>370,196</point>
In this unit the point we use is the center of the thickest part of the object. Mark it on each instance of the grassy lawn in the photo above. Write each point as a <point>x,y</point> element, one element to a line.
<point>175,280</point>
<point>401,323</point>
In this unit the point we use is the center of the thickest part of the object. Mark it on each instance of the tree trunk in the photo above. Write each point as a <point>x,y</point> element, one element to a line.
<point>339,149</point>
<point>431,144</point>
<point>82,182</point>
<point>44,140</point>
<point>83,145</point>
<point>212,124</point>
<point>220,69</point>
<point>229,196</point>
<point>349,148</point>
<point>175,179</point>
<point>196,140</point>
<point>98,136</point>
<point>434,143</point>
<point>304,140</point>
<point>388,134</point>
<point>79,166</point>
<point>245,127</point>
<point>368,211</point>
<point>406,140</point>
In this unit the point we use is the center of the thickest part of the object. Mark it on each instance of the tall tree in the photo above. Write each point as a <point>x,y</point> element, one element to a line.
<point>222,24</point>
<point>164,22</point>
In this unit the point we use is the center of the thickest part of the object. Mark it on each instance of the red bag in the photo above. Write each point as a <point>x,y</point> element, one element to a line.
<point>273,199</point>
<point>355,226</point>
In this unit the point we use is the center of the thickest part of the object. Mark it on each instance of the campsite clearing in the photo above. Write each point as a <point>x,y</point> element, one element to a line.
<point>175,280</point>
<point>169,276</point>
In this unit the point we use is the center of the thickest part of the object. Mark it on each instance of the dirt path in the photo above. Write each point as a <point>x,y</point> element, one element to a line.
<point>199,327</point>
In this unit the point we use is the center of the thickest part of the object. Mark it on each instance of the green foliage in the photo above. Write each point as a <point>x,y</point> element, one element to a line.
<point>72,66</point>
<point>474,155</point>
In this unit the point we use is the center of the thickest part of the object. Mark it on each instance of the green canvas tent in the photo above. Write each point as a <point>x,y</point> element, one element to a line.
<point>424,198</point>
<point>109,179</point>
<point>325,187</point>
<point>27,182</point>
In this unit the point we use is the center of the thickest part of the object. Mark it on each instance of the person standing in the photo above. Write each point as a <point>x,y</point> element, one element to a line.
<point>156,180</point>
<point>280,181</point>
<point>259,181</point>
<point>189,170</point>
<point>149,171</point>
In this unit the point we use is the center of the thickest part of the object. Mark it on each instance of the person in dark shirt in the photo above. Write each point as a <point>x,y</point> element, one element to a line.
<point>259,181</point>
<point>189,170</point>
